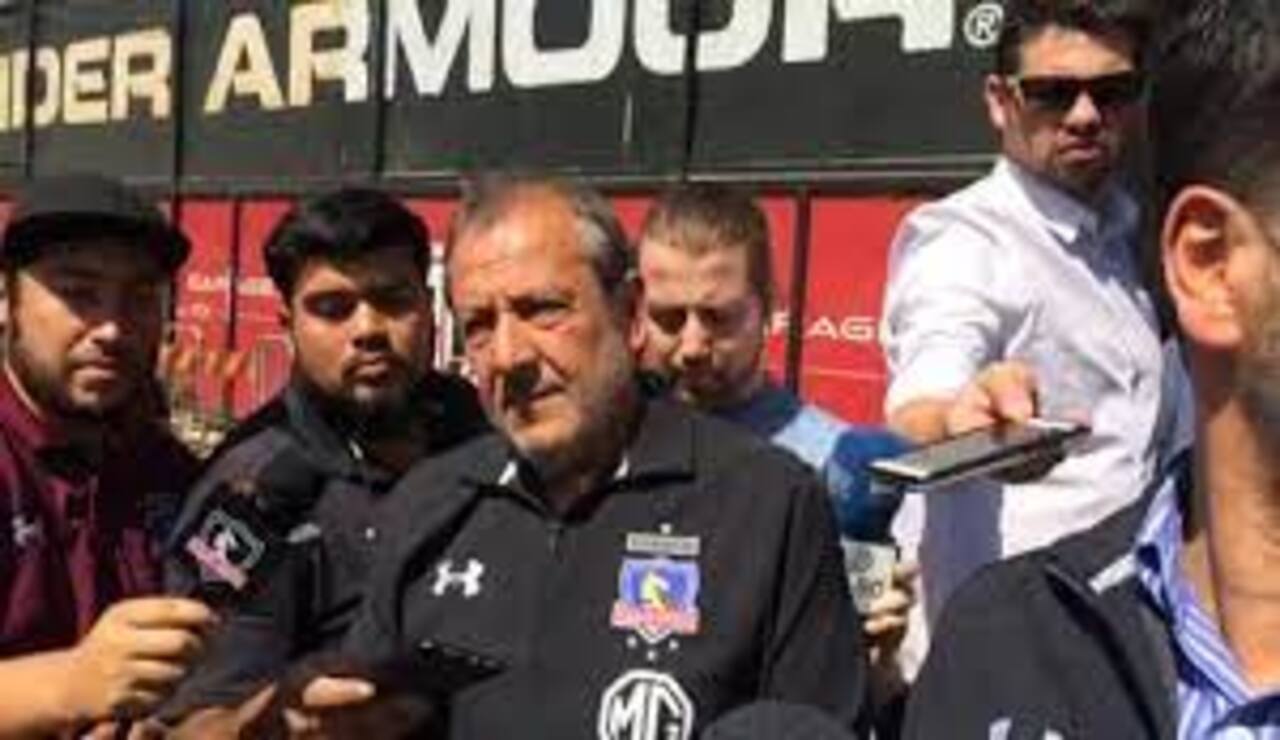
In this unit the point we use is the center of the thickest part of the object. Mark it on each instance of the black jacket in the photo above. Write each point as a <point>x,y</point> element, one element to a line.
<point>740,539</point>
<point>1058,644</point>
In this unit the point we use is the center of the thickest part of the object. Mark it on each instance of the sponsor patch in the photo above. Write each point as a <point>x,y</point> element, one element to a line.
<point>663,545</point>
<point>657,598</point>
<point>645,705</point>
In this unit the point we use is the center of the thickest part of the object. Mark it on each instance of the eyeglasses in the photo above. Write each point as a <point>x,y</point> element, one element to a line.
<point>1059,94</point>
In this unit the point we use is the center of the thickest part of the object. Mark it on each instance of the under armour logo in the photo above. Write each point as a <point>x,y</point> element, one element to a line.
<point>468,580</point>
<point>26,531</point>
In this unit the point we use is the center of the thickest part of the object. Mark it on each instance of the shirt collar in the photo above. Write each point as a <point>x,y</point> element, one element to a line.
<point>1157,552</point>
<point>1066,216</point>
<point>662,447</point>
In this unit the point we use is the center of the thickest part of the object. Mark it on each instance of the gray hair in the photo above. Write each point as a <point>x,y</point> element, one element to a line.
<point>488,197</point>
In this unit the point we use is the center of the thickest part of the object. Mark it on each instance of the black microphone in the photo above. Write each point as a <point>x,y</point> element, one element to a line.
<point>244,526</point>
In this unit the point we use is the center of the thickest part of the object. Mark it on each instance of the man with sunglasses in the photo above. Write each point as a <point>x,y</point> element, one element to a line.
<point>1161,622</point>
<point>1023,295</point>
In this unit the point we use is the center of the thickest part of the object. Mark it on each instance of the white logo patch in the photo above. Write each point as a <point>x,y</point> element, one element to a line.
<point>26,532</point>
<point>645,705</point>
<point>468,580</point>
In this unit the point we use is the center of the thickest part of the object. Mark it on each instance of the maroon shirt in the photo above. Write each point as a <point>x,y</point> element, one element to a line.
<point>79,529</point>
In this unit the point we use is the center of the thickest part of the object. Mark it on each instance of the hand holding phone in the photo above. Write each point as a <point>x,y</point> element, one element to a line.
<point>990,451</point>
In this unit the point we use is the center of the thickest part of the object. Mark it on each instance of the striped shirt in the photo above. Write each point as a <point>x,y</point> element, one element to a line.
<point>1214,700</point>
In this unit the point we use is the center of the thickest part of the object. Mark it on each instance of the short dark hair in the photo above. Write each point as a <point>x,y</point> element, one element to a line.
<point>1024,19</point>
<point>342,226</point>
<point>489,196</point>
<point>703,217</point>
<point>1215,98</point>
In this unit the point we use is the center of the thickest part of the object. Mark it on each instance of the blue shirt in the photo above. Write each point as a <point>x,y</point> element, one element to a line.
<point>837,450</point>
<point>1214,700</point>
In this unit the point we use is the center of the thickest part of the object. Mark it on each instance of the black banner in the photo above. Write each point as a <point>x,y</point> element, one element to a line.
<point>273,94</point>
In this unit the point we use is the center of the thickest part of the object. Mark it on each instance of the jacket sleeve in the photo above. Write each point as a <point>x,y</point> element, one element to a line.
<point>815,654</point>
<point>987,667</point>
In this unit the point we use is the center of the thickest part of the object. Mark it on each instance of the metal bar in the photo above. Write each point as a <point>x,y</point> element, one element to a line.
<point>799,289</point>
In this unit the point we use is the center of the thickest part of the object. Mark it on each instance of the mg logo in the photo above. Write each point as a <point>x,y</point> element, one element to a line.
<point>645,705</point>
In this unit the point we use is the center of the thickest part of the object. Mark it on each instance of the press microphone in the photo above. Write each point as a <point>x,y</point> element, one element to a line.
<point>244,526</point>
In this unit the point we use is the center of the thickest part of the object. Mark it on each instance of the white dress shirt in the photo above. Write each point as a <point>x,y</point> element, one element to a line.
<point>1013,268</point>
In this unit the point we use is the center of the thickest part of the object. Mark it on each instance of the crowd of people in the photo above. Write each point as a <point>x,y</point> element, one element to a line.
<point>618,526</point>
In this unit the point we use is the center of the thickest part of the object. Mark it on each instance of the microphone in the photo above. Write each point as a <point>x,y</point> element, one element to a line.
<point>243,527</point>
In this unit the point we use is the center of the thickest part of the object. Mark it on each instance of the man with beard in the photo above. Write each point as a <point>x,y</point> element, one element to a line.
<point>639,569</point>
<point>1030,280</point>
<point>361,408</point>
<point>1163,621</point>
<point>89,479</point>
<point>707,276</point>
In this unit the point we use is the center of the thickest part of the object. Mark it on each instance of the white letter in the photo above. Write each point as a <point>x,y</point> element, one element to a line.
<point>306,65</point>
<point>430,62</point>
<point>246,43</point>
<point>529,66</point>
<point>927,25</point>
<point>50,66</point>
<point>6,92</point>
<point>151,81</point>
<point>662,51</point>
<point>84,90</point>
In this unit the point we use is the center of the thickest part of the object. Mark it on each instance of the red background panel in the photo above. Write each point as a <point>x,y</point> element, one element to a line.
<point>203,311</point>
<point>631,210</point>
<point>258,330</point>
<point>780,211</point>
<point>843,368</point>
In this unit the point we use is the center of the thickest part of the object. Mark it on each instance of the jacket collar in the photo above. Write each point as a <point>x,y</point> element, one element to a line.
<point>1095,574</point>
<point>662,447</point>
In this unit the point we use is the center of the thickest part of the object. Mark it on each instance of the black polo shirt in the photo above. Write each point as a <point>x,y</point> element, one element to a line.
<point>705,573</point>
<point>314,595</point>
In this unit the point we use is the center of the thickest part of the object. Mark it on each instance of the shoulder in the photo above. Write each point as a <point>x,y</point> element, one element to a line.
<point>440,481</point>
<point>723,447</point>
<point>1003,592</point>
<point>973,215</point>
<point>273,415</point>
<point>454,410</point>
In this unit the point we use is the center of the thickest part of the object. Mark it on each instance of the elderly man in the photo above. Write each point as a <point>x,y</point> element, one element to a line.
<point>639,569</point>
<point>89,479</point>
<point>1162,621</point>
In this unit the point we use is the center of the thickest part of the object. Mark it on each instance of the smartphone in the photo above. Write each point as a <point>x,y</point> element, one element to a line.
<point>987,451</point>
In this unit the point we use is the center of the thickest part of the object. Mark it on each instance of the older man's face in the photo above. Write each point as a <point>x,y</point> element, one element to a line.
<point>547,345</point>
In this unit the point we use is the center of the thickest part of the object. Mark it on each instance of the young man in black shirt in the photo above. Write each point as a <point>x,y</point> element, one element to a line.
<point>362,406</point>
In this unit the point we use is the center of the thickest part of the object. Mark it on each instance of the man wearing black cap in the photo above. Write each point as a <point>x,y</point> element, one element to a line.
<point>86,473</point>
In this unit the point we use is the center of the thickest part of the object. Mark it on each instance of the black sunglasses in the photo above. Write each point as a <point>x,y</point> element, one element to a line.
<point>1059,94</point>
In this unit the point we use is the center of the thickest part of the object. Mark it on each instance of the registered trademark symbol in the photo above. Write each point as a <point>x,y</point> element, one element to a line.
<point>982,25</point>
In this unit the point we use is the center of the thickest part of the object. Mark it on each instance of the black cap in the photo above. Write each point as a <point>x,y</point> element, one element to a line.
<point>63,209</point>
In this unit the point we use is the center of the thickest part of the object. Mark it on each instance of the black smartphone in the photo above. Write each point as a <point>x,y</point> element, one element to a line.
<point>987,451</point>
